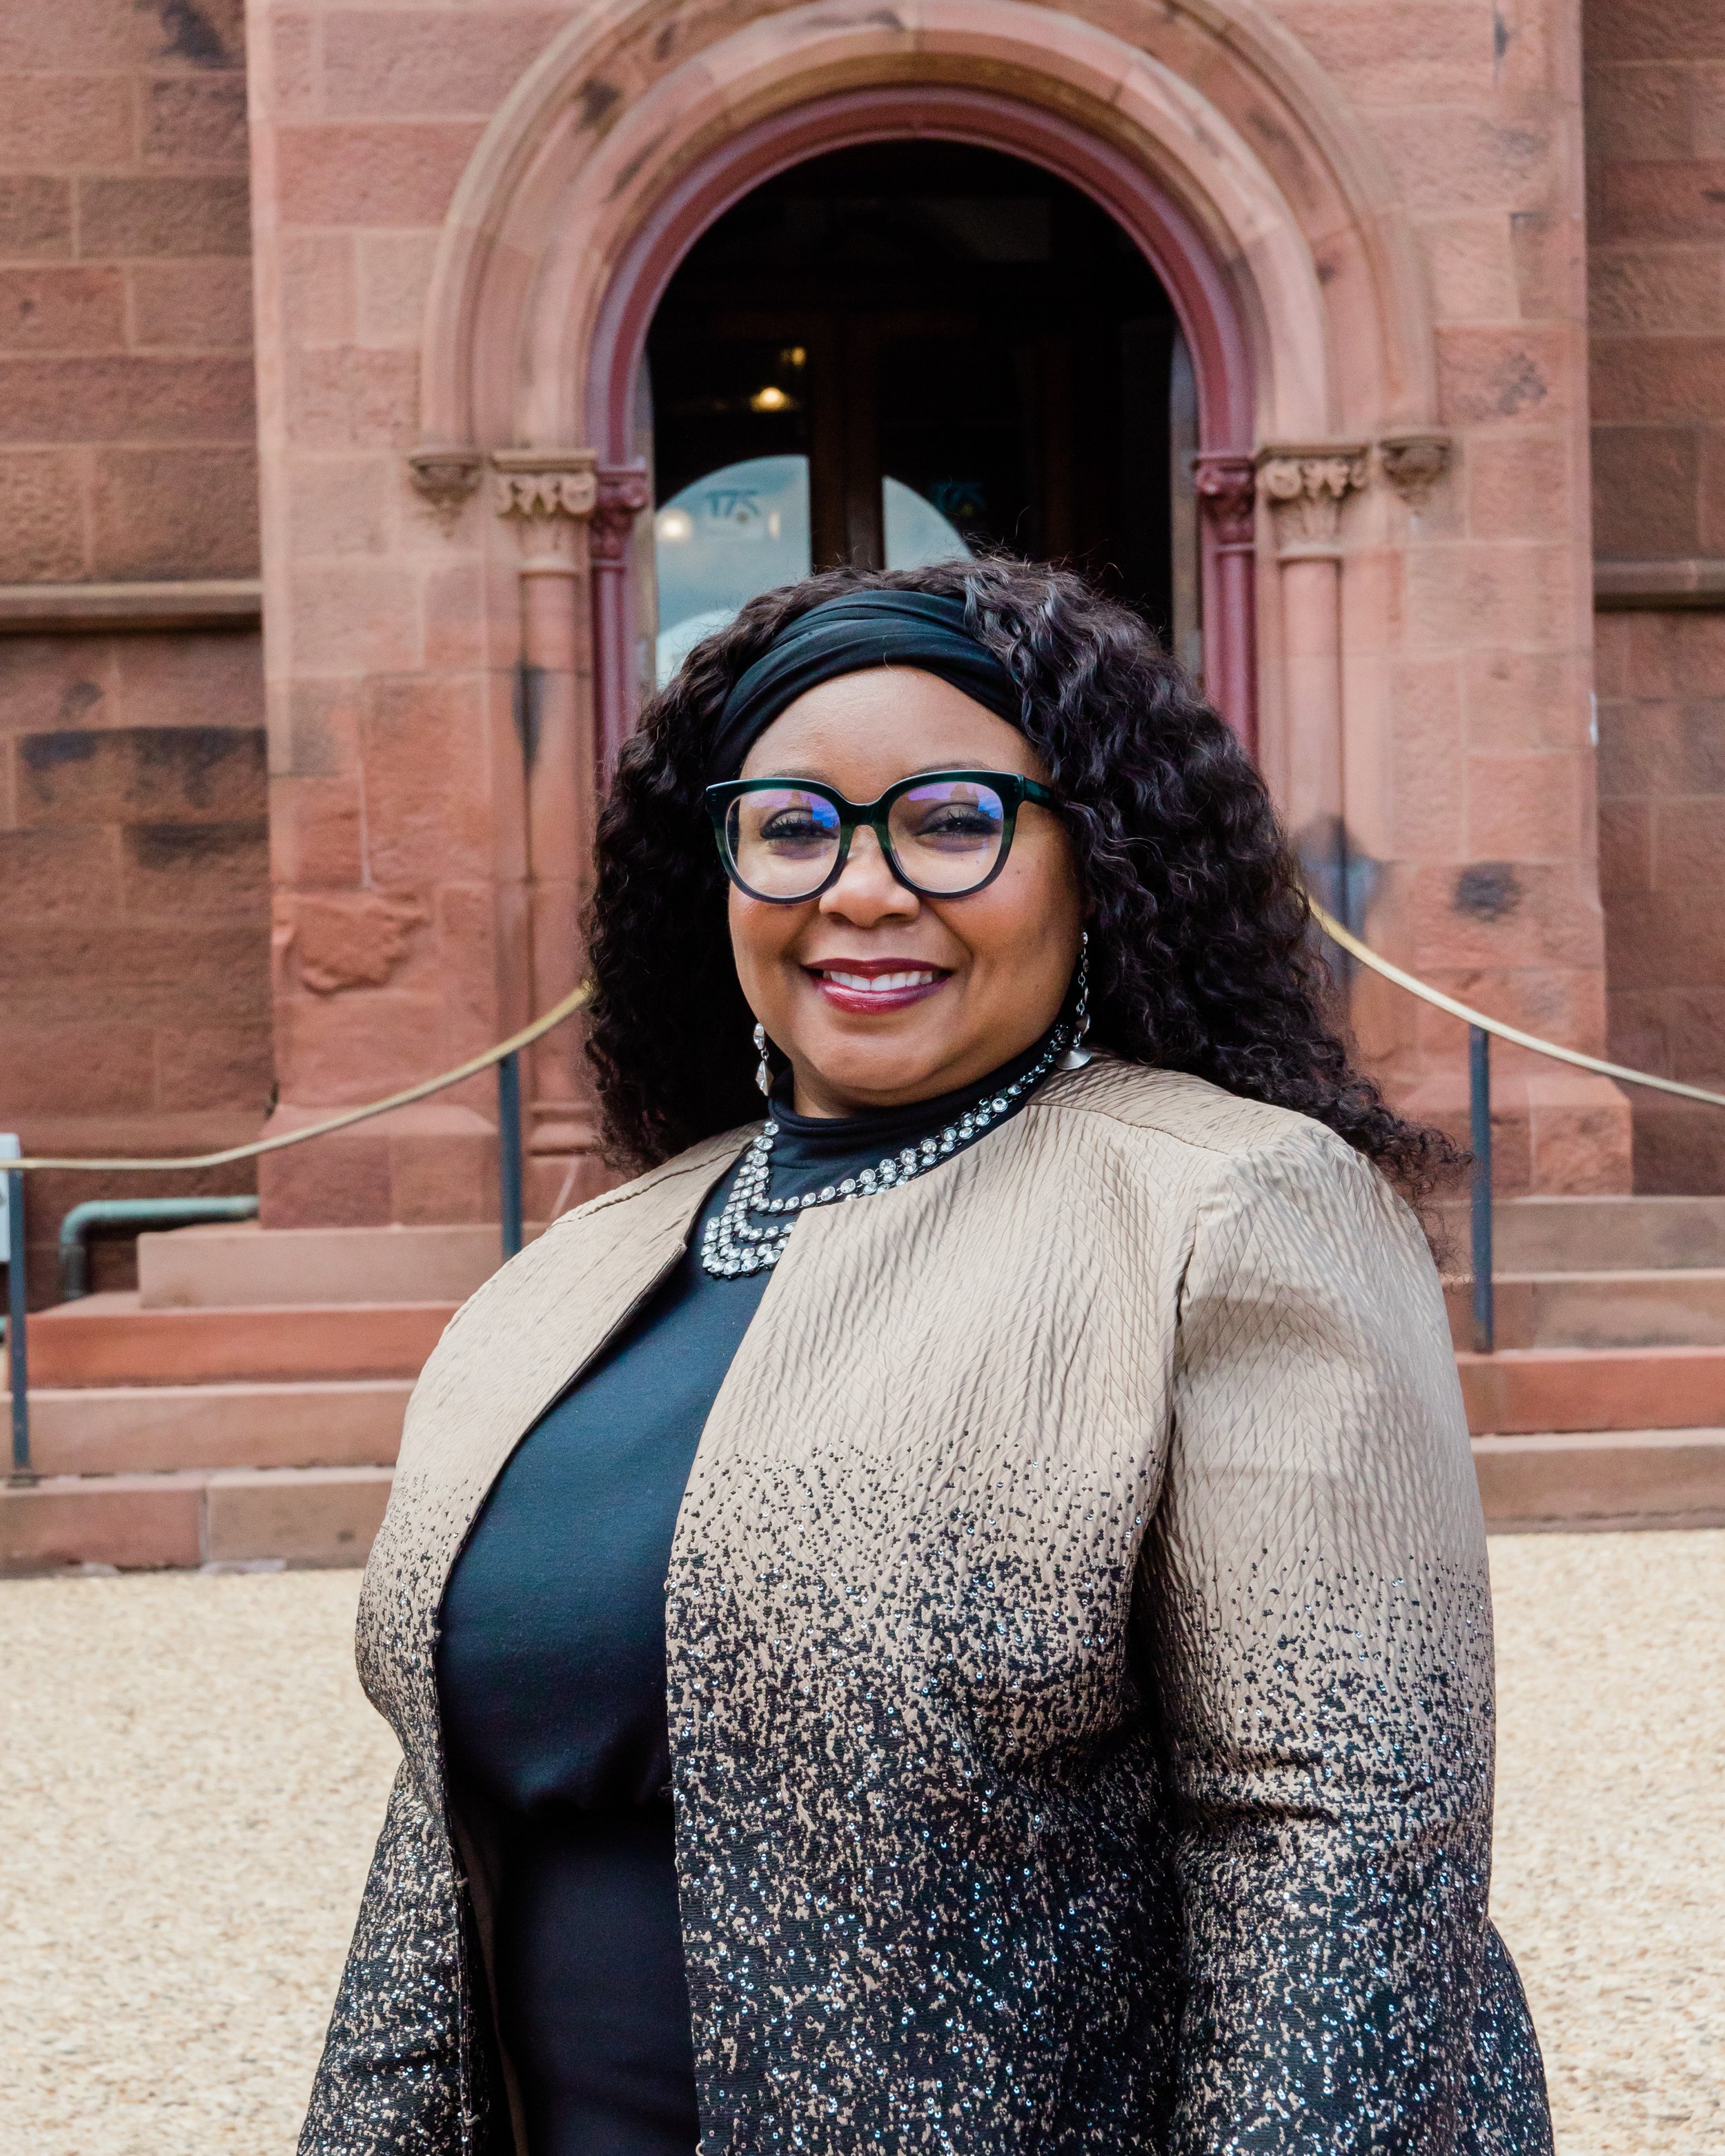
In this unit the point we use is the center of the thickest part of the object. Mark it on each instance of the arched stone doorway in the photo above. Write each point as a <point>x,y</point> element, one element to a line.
<point>1203,131</point>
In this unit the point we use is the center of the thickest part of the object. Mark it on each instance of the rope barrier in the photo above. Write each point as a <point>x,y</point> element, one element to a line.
<point>528,1035</point>
<point>1351,943</point>
<point>1342,937</point>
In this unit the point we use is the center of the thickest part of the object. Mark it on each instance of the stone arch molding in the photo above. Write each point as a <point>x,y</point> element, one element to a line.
<point>1251,144</point>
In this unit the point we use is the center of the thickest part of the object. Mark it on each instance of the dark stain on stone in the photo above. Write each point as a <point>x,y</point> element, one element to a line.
<point>45,752</point>
<point>626,175</point>
<point>190,35</point>
<point>172,845</point>
<point>1519,384</point>
<point>1488,890</point>
<point>595,100</point>
<point>665,42</point>
<point>76,698</point>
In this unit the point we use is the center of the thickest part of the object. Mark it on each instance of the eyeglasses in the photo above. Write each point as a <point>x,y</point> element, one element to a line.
<point>944,834</point>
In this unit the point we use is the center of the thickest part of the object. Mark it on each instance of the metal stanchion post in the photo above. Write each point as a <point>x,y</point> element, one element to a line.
<point>509,1150</point>
<point>1479,1091</point>
<point>12,1221</point>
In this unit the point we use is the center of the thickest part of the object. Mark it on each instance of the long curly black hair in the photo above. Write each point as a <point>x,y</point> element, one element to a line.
<point>1202,954</point>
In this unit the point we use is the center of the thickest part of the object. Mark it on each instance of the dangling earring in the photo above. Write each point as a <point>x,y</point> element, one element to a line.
<point>763,1069</point>
<point>1077,1055</point>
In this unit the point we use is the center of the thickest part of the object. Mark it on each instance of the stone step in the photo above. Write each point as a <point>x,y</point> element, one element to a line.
<point>1673,1307</point>
<point>327,1516</point>
<point>120,1430</point>
<point>239,1262</point>
<point>1592,1234</point>
<point>241,1516</point>
<point>112,1340</point>
<point>1602,1479</point>
<point>1531,1390</point>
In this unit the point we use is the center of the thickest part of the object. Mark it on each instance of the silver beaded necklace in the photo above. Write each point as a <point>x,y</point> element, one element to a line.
<point>733,1243</point>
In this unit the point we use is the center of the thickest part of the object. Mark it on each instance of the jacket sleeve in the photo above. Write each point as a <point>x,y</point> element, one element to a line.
<point>1319,1660</point>
<point>389,2082</point>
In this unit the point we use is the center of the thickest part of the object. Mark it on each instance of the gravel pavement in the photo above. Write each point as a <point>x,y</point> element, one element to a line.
<point>190,1783</point>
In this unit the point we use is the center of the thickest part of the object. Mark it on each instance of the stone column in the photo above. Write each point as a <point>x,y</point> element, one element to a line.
<point>624,493</point>
<point>1226,490</point>
<point>1305,488</point>
<point>550,497</point>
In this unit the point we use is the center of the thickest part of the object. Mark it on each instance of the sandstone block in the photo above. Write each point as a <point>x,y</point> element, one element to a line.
<point>1445,160</point>
<point>1641,381</point>
<point>1526,808</point>
<point>394,277</point>
<point>317,832</point>
<point>127,398</point>
<point>293,47</point>
<point>1462,596</point>
<point>50,682</point>
<point>1640,946</point>
<point>1711,509</point>
<point>424,62</point>
<point>395,172</point>
<point>1643,31</point>
<point>93,1069</point>
<point>1638,112</point>
<point>340,505</point>
<point>57,120</point>
<point>41,515</point>
<point>1550,251</point>
<point>142,774</point>
<point>1490,377</point>
<point>326,1516</point>
<point>358,618</point>
<point>1472,269</point>
<point>351,939</point>
<point>230,1067</point>
<point>1625,849</point>
<point>341,1182</point>
<point>35,217</point>
<point>1637,290</point>
<point>423,748</point>
<point>1689,845</point>
<point>67,309</point>
<point>125,1520</point>
<point>183,870</point>
<point>1490,915</point>
<point>1518,485</point>
<point>195,679</point>
<point>1525,700</point>
<point>322,724</point>
<point>343,398</point>
<point>72,869</point>
<point>175,512</point>
<point>194,120</point>
<point>344,1049</point>
<point>163,214</point>
<point>203,305</point>
<point>317,278</point>
<point>1676,654</point>
<point>1645,482</point>
<point>1674,201</point>
<point>1398,56</point>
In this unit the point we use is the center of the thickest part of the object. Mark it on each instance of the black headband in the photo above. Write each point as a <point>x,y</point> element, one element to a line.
<point>846,635</point>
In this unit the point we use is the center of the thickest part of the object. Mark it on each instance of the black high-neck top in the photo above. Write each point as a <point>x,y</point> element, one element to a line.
<point>552,1679</point>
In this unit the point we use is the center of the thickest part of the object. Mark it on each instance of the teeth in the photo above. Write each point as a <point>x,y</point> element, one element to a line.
<point>879,984</point>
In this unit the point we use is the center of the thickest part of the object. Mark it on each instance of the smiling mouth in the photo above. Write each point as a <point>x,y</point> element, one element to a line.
<point>877,984</point>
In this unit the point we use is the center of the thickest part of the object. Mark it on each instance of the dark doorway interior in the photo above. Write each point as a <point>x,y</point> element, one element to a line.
<point>949,319</point>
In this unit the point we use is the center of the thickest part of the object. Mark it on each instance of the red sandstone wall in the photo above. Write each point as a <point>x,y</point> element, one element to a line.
<point>1655,110</point>
<point>133,841</point>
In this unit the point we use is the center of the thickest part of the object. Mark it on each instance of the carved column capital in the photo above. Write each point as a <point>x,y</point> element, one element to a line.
<point>1412,460</point>
<point>445,474</point>
<point>1226,490</point>
<point>1306,486</point>
<point>623,494</point>
<point>546,495</point>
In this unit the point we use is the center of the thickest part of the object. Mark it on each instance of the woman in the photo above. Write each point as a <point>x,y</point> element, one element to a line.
<point>955,1618</point>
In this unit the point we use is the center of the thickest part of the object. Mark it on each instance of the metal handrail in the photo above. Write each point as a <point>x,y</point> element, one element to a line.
<point>506,1055</point>
<point>1480,1030</point>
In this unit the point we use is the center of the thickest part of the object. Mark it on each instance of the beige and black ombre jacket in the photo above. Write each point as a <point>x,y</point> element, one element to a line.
<point>1079,1667</point>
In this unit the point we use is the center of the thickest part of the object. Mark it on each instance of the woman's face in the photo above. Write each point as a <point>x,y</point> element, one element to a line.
<point>987,972</point>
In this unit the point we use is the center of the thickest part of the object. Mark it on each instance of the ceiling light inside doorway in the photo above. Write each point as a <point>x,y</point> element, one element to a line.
<point>772,398</point>
<point>674,525</point>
